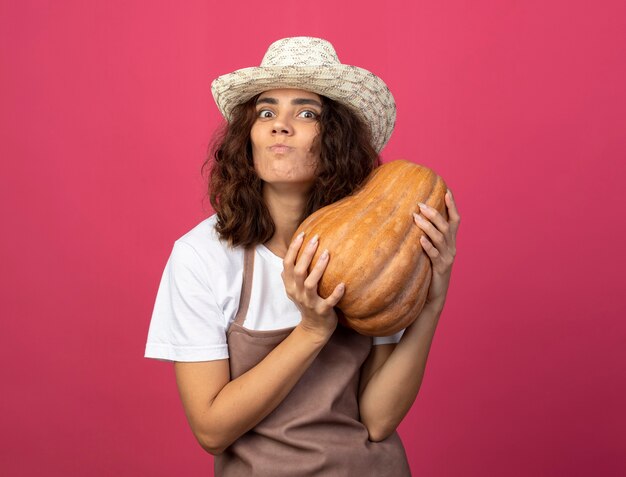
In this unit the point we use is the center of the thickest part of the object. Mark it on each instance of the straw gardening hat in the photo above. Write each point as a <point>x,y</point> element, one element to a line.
<point>312,64</point>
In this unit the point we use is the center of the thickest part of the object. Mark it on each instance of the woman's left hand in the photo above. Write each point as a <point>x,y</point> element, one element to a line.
<point>439,243</point>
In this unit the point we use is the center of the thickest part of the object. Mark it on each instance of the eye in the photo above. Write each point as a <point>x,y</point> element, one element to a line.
<point>265,113</point>
<point>308,114</point>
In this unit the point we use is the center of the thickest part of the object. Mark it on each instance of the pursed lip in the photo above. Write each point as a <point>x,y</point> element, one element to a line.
<point>280,148</point>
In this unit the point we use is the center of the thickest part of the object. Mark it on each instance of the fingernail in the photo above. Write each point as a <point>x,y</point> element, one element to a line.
<point>300,235</point>
<point>314,239</point>
<point>422,205</point>
<point>324,255</point>
<point>342,286</point>
<point>418,217</point>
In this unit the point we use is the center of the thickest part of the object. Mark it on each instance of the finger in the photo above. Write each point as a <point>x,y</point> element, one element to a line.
<point>336,295</point>
<point>429,248</point>
<point>428,228</point>
<point>310,284</point>
<point>302,265</point>
<point>435,217</point>
<point>292,251</point>
<point>453,213</point>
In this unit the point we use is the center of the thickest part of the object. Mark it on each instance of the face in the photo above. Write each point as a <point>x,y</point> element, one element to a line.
<point>284,146</point>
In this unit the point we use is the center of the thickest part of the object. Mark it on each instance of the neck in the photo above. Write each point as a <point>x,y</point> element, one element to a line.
<point>286,209</point>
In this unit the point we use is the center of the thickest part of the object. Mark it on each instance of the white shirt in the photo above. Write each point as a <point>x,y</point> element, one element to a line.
<point>199,294</point>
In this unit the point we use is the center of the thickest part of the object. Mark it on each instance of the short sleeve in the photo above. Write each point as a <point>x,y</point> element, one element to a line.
<point>187,324</point>
<point>379,340</point>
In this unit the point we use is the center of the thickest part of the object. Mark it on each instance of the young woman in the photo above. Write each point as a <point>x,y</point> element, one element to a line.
<point>270,384</point>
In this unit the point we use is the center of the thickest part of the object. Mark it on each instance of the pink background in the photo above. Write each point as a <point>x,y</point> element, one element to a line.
<point>106,114</point>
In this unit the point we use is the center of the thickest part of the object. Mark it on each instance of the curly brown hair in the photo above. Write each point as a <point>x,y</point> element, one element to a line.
<point>235,190</point>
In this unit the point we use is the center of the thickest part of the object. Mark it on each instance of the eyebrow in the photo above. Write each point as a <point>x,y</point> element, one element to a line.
<point>295,101</point>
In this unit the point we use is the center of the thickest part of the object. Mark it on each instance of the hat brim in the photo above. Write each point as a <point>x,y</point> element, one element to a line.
<point>365,93</point>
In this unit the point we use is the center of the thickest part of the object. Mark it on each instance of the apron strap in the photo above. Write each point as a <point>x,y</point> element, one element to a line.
<point>246,286</point>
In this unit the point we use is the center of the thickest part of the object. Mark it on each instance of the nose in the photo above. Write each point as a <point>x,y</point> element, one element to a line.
<point>281,126</point>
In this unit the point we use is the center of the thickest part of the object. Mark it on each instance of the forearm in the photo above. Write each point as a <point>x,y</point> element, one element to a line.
<point>392,389</point>
<point>246,400</point>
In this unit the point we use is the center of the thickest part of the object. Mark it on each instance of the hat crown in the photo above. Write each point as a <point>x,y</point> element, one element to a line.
<point>300,51</point>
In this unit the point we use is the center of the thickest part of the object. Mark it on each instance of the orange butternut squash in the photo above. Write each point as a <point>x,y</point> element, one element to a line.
<point>375,249</point>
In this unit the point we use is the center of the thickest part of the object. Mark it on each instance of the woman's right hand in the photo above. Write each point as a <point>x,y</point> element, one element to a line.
<point>209,393</point>
<point>318,314</point>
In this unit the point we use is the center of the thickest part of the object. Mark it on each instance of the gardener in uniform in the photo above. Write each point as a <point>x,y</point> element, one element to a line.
<point>270,384</point>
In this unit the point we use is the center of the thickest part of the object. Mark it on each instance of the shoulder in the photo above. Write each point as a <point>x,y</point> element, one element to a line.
<point>197,294</point>
<point>202,249</point>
